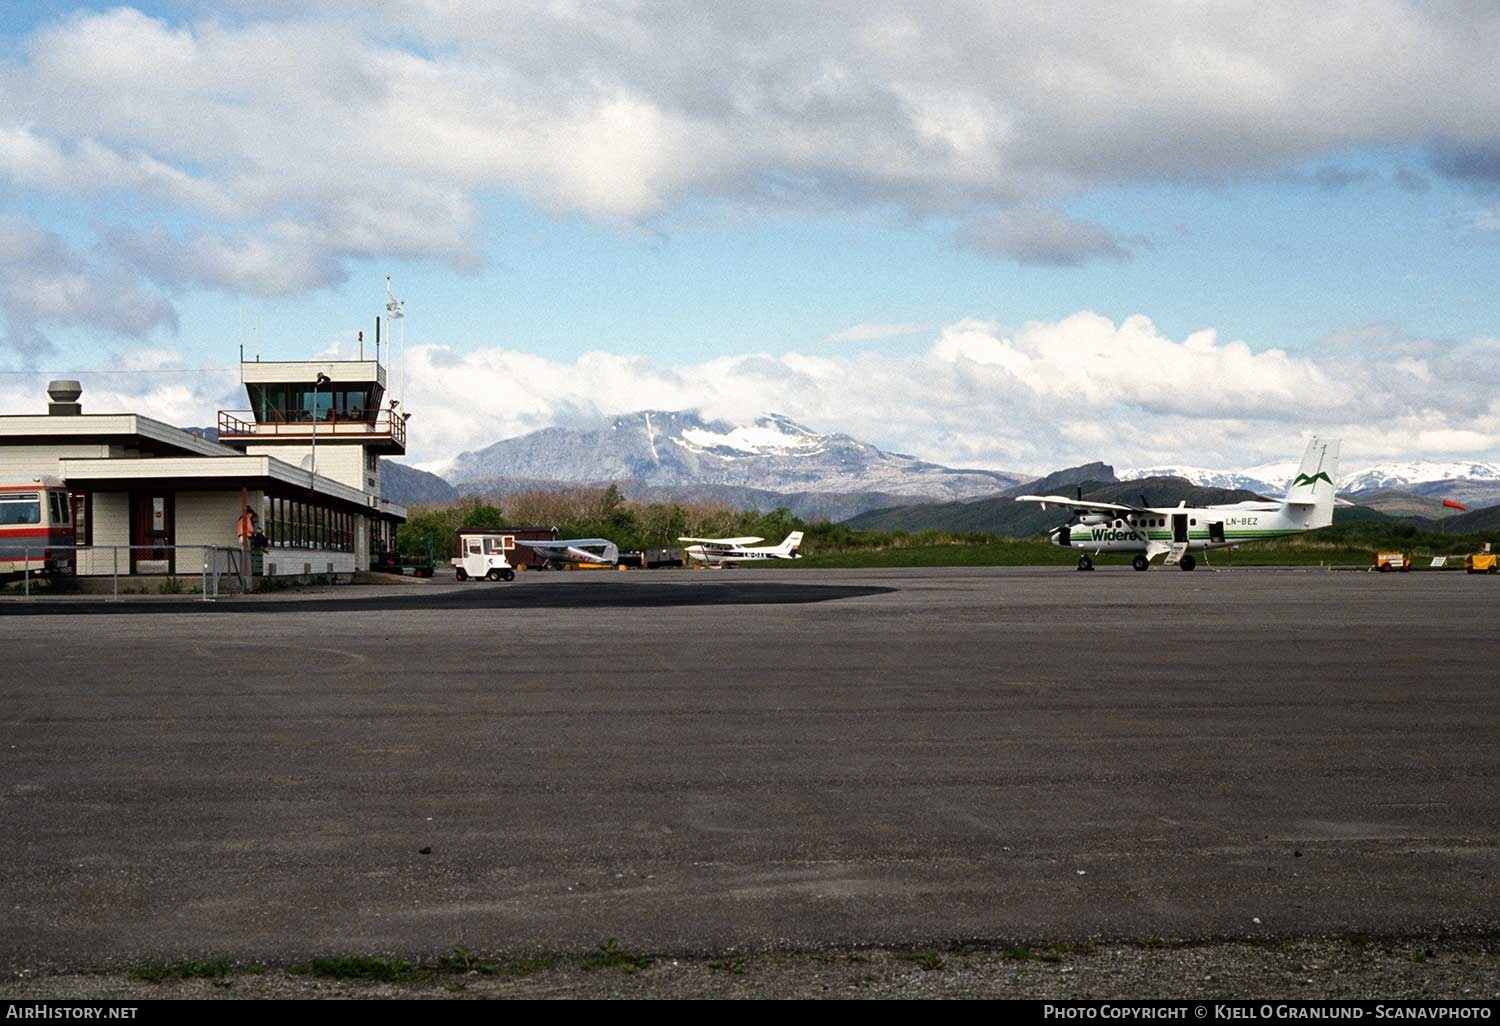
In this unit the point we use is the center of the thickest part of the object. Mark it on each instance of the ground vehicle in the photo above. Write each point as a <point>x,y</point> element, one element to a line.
<point>481,553</point>
<point>32,517</point>
<point>401,563</point>
<point>1482,563</point>
<point>1385,562</point>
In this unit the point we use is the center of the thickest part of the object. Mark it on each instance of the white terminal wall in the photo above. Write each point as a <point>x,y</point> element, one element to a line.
<point>343,462</point>
<point>21,463</point>
<point>111,512</point>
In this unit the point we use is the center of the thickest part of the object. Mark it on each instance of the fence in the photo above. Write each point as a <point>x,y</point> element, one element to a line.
<point>218,562</point>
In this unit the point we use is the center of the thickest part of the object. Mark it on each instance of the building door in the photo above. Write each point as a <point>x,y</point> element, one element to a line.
<point>151,533</point>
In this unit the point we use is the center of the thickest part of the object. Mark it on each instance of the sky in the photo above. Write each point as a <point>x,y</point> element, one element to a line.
<point>1014,236</point>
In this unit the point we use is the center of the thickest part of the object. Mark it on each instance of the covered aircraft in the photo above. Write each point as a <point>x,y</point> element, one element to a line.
<point>590,551</point>
<point>1177,531</point>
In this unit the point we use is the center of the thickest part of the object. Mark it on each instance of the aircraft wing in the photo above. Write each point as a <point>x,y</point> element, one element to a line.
<point>563,543</point>
<point>725,543</point>
<point>1083,505</point>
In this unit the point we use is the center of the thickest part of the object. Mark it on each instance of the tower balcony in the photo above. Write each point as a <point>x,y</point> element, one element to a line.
<point>383,430</point>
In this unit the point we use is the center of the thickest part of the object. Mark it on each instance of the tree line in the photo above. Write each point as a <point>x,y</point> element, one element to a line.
<point>584,512</point>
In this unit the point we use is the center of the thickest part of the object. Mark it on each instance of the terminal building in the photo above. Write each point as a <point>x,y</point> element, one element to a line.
<point>145,497</point>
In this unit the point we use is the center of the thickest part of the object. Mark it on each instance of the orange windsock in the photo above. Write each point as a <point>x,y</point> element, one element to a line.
<point>1453,505</point>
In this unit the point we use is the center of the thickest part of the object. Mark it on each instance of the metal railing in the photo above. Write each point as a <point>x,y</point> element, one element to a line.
<point>297,423</point>
<point>218,562</point>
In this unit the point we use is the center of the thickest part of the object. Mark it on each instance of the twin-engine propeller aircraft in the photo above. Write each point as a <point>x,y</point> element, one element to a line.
<point>719,551</point>
<point>591,551</point>
<point>1177,531</point>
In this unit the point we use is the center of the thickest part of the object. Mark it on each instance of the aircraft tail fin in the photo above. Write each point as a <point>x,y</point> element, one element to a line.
<point>1316,479</point>
<point>789,547</point>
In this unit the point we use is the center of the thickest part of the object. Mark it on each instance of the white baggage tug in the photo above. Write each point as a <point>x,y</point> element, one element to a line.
<point>481,553</point>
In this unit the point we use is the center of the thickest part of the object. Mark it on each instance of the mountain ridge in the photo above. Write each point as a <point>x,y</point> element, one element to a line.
<point>682,449</point>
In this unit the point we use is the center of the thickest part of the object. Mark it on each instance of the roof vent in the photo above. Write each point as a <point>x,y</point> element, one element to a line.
<point>64,396</point>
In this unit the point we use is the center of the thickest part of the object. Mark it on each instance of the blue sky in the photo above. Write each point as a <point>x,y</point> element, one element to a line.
<point>913,223</point>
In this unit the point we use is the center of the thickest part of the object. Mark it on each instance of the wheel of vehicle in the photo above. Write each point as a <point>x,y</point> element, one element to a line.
<point>493,575</point>
<point>462,574</point>
<point>508,575</point>
<point>1141,563</point>
<point>1385,568</point>
<point>1085,563</point>
<point>1187,562</point>
<point>1405,567</point>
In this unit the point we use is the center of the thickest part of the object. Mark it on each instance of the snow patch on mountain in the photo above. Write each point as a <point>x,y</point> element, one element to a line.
<point>1206,478</point>
<point>1273,478</point>
<point>767,437</point>
<point>1403,474</point>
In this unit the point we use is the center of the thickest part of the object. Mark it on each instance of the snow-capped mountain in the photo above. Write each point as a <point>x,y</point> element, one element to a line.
<point>1249,480</point>
<point>681,448</point>
<point>1405,474</point>
<point>1272,478</point>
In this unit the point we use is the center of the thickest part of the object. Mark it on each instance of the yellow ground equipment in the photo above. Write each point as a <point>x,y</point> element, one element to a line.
<point>1385,562</point>
<point>1482,563</point>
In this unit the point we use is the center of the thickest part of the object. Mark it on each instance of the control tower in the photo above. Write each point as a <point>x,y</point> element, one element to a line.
<point>328,417</point>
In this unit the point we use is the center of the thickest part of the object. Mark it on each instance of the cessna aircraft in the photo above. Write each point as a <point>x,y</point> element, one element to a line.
<point>1177,531</point>
<point>718,551</point>
<point>575,550</point>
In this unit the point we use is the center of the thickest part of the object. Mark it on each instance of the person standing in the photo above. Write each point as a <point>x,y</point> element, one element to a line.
<point>247,528</point>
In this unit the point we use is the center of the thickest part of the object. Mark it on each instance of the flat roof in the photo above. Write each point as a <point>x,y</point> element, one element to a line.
<point>281,372</point>
<point>42,427</point>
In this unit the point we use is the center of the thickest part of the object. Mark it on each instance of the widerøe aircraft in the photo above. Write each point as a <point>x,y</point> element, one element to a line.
<point>1177,531</point>
<point>719,551</point>
<point>591,551</point>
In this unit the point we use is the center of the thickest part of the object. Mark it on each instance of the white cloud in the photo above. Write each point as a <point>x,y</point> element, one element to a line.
<point>46,282</point>
<point>1047,395</point>
<point>875,332</point>
<point>1040,397</point>
<point>150,381</point>
<point>376,127</point>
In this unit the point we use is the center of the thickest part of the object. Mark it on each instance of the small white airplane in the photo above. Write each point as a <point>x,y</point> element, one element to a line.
<point>719,551</point>
<point>1177,531</point>
<point>592,551</point>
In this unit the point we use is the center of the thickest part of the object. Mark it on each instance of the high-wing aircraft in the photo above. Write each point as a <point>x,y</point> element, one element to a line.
<point>595,551</point>
<point>1177,531</point>
<point>719,551</point>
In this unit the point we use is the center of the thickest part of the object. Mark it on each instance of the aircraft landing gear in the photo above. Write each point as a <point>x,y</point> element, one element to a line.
<point>1085,563</point>
<point>1187,562</point>
<point>1141,563</point>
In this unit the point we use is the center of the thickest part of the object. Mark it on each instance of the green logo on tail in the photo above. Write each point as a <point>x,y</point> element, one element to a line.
<point>1303,479</point>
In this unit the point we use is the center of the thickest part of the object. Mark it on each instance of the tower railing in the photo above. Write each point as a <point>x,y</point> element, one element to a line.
<point>303,423</point>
